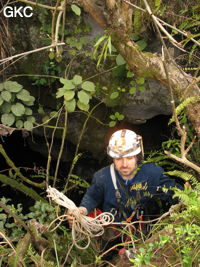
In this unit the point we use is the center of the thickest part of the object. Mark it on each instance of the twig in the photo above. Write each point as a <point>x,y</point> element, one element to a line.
<point>171,39</point>
<point>164,23</point>
<point>184,161</point>
<point>17,171</point>
<point>61,147</point>
<point>181,130</point>
<point>49,147</point>
<point>29,52</point>
<point>53,22</point>
<point>78,143</point>
<point>40,5</point>
<point>8,241</point>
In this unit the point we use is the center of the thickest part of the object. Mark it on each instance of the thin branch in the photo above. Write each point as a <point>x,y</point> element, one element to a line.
<point>78,143</point>
<point>171,39</point>
<point>53,21</point>
<point>184,161</point>
<point>29,52</point>
<point>189,87</point>
<point>17,171</point>
<point>57,27</point>
<point>61,147</point>
<point>164,23</point>
<point>7,241</point>
<point>49,146</point>
<point>40,5</point>
<point>181,130</point>
<point>63,20</point>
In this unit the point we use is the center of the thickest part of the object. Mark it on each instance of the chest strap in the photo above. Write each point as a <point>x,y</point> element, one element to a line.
<point>117,192</point>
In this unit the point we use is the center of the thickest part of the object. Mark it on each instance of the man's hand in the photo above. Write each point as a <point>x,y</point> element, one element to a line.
<point>70,214</point>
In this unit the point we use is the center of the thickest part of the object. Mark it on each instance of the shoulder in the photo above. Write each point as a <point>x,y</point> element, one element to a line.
<point>151,168</point>
<point>102,173</point>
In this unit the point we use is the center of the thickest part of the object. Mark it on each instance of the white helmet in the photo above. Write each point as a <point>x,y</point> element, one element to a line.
<point>124,143</point>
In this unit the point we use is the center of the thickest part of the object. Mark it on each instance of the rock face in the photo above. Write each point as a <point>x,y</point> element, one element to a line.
<point>137,108</point>
<point>145,105</point>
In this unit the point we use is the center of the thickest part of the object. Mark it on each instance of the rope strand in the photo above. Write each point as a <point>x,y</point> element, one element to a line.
<point>83,227</point>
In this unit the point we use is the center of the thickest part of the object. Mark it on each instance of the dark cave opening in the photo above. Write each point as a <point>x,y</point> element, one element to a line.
<point>154,132</point>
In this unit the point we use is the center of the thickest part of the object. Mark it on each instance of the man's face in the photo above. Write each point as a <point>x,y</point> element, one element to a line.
<point>126,166</point>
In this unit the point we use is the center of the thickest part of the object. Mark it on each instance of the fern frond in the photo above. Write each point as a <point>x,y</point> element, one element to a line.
<point>183,105</point>
<point>183,175</point>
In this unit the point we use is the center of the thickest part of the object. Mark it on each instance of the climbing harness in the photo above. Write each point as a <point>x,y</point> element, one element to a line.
<point>137,210</point>
<point>118,195</point>
<point>83,227</point>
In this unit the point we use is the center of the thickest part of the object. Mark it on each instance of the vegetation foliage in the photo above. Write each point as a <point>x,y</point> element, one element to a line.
<point>28,238</point>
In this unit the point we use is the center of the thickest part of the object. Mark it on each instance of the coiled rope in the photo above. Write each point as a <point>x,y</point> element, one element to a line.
<point>83,227</point>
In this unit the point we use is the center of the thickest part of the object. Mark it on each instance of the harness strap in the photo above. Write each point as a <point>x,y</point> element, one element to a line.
<point>117,192</point>
<point>113,175</point>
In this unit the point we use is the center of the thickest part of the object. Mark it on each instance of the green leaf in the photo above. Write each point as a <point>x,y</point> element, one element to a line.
<point>120,117</point>
<point>68,84</point>
<point>140,80</point>
<point>141,88</point>
<point>142,44</point>
<point>76,9</point>
<point>1,87</point>
<point>28,125</point>
<point>6,107</point>
<point>60,92</point>
<point>77,79</point>
<point>63,80</point>
<point>83,97</point>
<point>112,123</point>
<point>132,90</point>
<point>41,110</point>
<point>88,86</point>
<point>28,111</point>
<point>135,37</point>
<point>78,46</point>
<point>100,40</point>
<point>24,95</point>
<point>45,118</point>
<point>31,119</point>
<point>69,95</point>
<point>18,109</point>
<point>112,117</point>
<point>6,96</point>
<point>157,3</point>
<point>53,114</point>
<point>52,55</point>
<point>30,102</point>
<point>19,124</point>
<point>109,45</point>
<point>114,95</point>
<point>129,74</point>
<point>70,105</point>
<point>82,106</point>
<point>8,119</point>
<point>1,100</point>
<point>12,86</point>
<point>120,60</point>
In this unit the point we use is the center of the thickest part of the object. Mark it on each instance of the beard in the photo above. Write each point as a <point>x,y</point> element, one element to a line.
<point>126,172</point>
